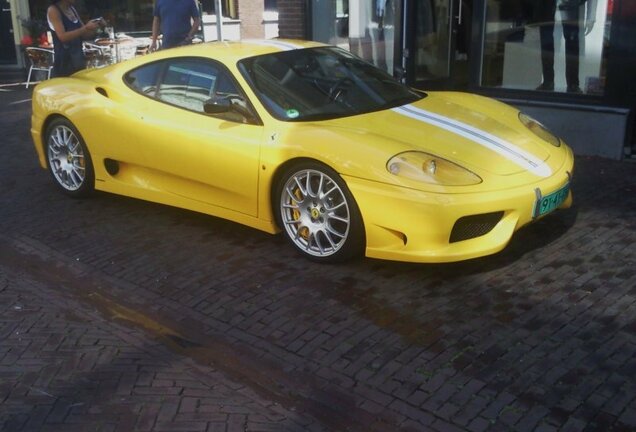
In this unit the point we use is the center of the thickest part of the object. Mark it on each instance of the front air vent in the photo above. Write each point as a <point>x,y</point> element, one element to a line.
<point>469,227</point>
<point>101,91</point>
<point>112,166</point>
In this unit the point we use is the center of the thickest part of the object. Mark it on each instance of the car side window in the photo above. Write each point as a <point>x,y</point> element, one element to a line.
<point>190,83</point>
<point>144,79</point>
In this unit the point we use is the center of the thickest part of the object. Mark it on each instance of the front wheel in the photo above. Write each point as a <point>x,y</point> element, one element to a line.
<point>318,213</point>
<point>68,159</point>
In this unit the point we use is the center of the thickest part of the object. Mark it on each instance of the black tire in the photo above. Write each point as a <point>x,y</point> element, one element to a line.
<point>68,159</point>
<point>317,213</point>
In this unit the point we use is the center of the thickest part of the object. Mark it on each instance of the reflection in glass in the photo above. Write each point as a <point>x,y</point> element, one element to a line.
<point>546,45</point>
<point>432,41</point>
<point>364,27</point>
<point>321,83</point>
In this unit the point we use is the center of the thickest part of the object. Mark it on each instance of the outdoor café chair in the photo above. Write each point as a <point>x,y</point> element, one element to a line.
<point>41,60</point>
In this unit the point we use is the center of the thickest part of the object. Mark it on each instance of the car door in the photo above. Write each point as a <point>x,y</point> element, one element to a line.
<point>207,158</point>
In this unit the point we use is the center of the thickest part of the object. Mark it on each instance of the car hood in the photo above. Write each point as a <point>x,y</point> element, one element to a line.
<point>476,132</point>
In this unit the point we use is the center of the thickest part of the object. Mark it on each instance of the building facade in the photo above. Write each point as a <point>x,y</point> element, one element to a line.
<point>569,63</point>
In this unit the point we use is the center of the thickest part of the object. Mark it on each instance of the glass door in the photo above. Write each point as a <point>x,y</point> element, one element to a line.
<point>436,43</point>
<point>364,27</point>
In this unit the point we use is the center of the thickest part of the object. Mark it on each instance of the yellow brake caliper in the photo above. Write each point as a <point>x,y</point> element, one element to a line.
<point>303,231</point>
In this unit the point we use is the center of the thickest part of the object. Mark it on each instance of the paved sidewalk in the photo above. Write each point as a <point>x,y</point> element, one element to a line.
<point>10,76</point>
<point>118,295</point>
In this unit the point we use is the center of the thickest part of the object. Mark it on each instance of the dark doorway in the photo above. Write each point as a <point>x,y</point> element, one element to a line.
<point>7,44</point>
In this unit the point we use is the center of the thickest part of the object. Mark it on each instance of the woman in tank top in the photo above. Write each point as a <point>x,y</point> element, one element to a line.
<point>68,31</point>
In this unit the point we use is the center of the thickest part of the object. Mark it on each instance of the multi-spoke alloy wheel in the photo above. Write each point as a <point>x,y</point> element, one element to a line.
<point>318,214</point>
<point>68,158</point>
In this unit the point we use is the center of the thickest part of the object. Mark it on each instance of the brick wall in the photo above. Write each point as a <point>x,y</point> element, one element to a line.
<point>251,16</point>
<point>292,19</point>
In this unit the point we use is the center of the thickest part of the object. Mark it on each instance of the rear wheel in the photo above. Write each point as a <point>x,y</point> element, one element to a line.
<point>68,159</point>
<point>318,213</point>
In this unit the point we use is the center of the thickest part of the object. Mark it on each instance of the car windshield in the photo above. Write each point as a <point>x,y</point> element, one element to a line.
<point>322,83</point>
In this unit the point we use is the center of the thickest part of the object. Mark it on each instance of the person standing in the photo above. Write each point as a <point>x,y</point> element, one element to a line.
<point>176,20</point>
<point>68,31</point>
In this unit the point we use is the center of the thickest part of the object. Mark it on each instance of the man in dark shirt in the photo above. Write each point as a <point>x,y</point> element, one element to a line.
<point>176,20</point>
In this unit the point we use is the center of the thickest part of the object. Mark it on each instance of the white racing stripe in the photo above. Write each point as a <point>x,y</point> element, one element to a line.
<point>285,46</point>
<point>502,147</point>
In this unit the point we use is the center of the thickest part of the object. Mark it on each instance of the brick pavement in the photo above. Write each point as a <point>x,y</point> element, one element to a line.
<point>64,366</point>
<point>540,337</point>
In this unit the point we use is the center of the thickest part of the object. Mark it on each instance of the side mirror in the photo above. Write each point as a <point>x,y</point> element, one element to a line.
<point>217,105</point>
<point>224,104</point>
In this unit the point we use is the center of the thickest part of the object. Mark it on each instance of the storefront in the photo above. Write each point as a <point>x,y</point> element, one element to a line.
<point>570,63</point>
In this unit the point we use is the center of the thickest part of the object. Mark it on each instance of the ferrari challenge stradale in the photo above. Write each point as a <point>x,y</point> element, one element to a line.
<point>306,139</point>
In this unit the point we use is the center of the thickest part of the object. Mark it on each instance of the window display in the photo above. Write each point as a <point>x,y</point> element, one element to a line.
<point>547,45</point>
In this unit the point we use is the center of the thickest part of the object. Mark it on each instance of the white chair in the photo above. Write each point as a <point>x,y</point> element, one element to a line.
<point>98,55</point>
<point>41,59</point>
<point>92,56</point>
<point>126,49</point>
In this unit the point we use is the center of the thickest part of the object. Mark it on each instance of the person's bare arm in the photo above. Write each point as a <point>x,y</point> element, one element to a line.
<point>196,22</point>
<point>64,36</point>
<point>156,26</point>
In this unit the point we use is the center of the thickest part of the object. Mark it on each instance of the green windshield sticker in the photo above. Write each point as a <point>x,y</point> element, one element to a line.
<point>292,113</point>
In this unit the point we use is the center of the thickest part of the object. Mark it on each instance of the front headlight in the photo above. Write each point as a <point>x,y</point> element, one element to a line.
<point>431,169</point>
<point>539,130</point>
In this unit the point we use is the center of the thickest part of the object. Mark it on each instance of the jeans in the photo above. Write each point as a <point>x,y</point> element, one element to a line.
<point>571,31</point>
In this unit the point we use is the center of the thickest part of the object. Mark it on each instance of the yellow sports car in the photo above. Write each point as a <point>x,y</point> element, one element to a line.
<point>306,139</point>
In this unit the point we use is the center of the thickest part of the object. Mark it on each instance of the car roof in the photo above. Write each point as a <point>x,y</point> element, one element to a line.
<point>233,51</point>
<point>228,52</point>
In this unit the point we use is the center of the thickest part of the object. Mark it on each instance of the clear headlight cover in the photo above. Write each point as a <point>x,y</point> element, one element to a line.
<point>428,168</point>
<point>539,130</point>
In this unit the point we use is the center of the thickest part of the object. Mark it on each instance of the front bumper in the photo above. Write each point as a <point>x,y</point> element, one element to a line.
<point>403,224</point>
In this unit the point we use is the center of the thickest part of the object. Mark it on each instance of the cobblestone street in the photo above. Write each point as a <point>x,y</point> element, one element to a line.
<point>118,314</point>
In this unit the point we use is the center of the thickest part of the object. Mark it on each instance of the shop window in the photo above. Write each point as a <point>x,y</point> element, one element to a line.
<point>547,45</point>
<point>364,27</point>
<point>228,8</point>
<point>271,5</point>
